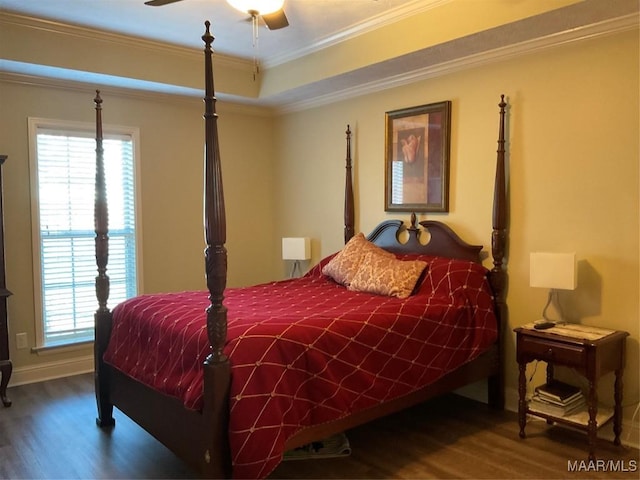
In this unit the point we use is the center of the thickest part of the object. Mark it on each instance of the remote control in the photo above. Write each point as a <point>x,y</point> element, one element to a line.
<point>543,325</point>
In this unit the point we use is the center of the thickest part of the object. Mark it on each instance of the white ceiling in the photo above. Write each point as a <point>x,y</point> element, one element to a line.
<point>312,23</point>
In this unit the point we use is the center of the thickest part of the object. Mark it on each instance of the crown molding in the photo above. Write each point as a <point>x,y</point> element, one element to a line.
<point>90,87</point>
<point>227,103</point>
<point>279,104</point>
<point>601,29</point>
<point>128,41</point>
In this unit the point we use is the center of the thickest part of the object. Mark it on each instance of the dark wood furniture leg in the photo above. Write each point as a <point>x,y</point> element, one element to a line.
<point>617,412</point>
<point>5,363</point>
<point>5,369</point>
<point>6,366</point>
<point>522,401</point>
<point>592,427</point>
<point>550,374</point>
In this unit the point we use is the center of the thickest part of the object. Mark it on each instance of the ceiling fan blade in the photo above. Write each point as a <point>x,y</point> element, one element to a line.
<point>159,3</point>
<point>276,20</point>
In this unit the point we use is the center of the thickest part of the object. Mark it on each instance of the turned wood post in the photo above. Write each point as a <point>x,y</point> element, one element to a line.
<point>498,275</point>
<point>215,225</point>
<point>215,456</point>
<point>6,366</point>
<point>349,216</point>
<point>102,317</point>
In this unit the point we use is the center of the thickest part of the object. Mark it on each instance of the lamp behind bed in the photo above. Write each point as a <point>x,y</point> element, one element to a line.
<point>296,249</point>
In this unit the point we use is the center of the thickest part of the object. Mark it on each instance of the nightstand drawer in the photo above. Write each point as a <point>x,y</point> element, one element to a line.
<point>571,355</point>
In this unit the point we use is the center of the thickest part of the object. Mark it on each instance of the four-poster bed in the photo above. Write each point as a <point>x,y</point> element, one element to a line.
<point>281,371</point>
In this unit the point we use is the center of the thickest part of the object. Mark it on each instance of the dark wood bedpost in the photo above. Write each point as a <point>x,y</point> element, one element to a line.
<point>102,317</point>
<point>498,276</point>
<point>349,217</point>
<point>216,366</point>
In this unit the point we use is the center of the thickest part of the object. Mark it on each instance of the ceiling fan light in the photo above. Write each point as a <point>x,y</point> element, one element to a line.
<point>263,7</point>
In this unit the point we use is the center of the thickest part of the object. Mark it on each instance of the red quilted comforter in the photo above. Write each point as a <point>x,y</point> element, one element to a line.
<point>306,351</point>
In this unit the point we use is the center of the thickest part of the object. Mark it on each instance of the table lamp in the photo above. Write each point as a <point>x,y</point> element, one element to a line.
<point>555,271</point>
<point>296,249</point>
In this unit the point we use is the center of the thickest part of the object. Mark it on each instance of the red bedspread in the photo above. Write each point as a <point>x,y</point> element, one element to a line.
<point>306,351</point>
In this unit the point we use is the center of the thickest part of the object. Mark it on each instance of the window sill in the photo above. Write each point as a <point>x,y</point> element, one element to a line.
<point>62,348</point>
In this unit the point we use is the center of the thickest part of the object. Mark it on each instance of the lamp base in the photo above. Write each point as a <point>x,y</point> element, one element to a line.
<point>296,266</point>
<point>552,293</point>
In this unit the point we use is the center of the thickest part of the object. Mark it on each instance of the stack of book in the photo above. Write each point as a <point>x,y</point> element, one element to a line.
<point>557,398</point>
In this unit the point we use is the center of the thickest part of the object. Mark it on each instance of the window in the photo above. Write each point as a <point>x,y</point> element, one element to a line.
<point>63,170</point>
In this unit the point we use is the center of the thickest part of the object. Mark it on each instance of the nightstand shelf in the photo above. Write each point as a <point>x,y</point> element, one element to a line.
<point>578,419</point>
<point>592,352</point>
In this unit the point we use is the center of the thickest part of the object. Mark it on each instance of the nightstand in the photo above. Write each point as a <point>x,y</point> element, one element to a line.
<point>593,352</point>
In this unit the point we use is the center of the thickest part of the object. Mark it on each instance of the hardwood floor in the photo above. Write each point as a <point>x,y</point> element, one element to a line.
<point>50,433</point>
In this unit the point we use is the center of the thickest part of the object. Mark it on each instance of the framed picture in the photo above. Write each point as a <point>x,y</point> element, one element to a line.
<point>417,158</point>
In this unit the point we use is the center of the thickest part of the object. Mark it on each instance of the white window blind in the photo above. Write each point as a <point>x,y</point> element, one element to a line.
<point>66,191</point>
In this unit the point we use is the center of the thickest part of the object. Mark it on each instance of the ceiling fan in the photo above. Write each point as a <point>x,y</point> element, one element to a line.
<point>270,11</point>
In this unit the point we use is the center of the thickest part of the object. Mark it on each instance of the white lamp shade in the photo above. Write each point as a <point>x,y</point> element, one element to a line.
<point>553,270</point>
<point>263,7</point>
<point>296,248</point>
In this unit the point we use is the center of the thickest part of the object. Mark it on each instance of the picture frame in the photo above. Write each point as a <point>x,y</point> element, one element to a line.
<point>418,144</point>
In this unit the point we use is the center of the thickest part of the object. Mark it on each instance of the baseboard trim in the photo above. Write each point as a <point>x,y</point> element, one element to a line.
<point>51,370</point>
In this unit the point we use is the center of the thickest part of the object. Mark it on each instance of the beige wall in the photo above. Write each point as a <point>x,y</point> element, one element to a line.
<point>572,151</point>
<point>171,156</point>
<point>573,161</point>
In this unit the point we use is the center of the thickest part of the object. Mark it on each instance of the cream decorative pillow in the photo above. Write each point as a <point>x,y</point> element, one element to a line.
<point>387,276</point>
<point>344,266</point>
